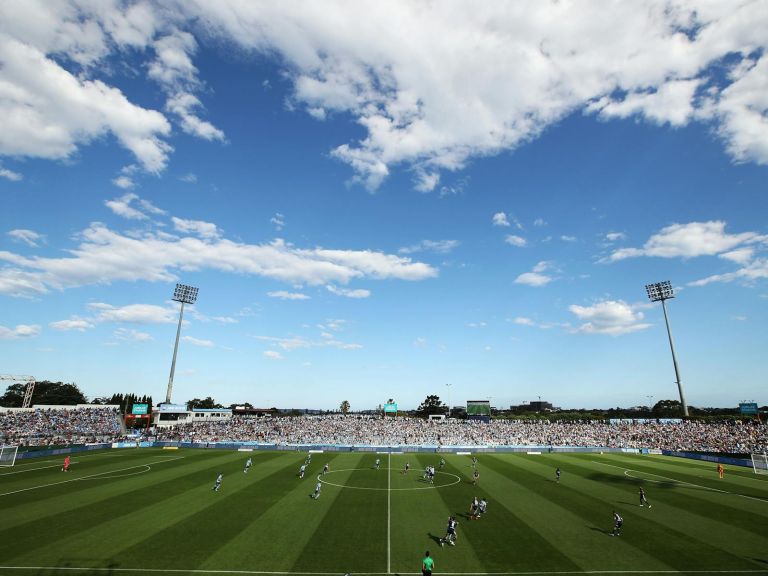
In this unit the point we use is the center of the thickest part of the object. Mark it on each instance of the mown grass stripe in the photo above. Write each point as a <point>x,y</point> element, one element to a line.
<point>679,546</point>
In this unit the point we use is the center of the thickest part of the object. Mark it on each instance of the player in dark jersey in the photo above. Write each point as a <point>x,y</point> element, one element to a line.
<point>475,476</point>
<point>450,532</point>
<point>618,522</point>
<point>442,463</point>
<point>557,474</point>
<point>407,467</point>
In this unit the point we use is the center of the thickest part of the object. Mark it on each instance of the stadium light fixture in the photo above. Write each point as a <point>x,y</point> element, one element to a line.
<point>186,295</point>
<point>661,292</point>
<point>449,399</point>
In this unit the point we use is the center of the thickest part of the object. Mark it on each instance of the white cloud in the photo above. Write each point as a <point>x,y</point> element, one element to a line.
<point>284,295</point>
<point>189,178</point>
<point>753,271</point>
<point>514,240</point>
<point>272,355</point>
<point>477,325</point>
<point>420,342</point>
<point>612,317</point>
<point>278,220</point>
<point>568,238</point>
<point>539,222</point>
<point>198,342</point>
<point>205,230</point>
<point>10,174</point>
<point>122,207</point>
<point>689,241</point>
<point>299,342</point>
<point>28,237</point>
<point>184,106</point>
<point>614,236</point>
<point>500,219</point>
<point>124,182</point>
<point>522,321</point>
<point>438,246</point>
<point>133,313</point>
<point>740,255</point>
<point>19,332</point>
<point>357,293</point>
<point>424,81</point>
<point>132,335</point>
<point>537,276</point>
<point>74,323</point>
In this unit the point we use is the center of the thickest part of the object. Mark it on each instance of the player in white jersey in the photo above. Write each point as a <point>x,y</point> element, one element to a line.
<point>378,463</point>
<point>302,470</point>
<point>325,468</point>
<point>248,464</point>
<point>217,484</point>
<point>318,487</point>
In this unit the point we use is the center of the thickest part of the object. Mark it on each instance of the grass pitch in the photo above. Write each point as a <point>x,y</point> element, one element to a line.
<point>154,511</point>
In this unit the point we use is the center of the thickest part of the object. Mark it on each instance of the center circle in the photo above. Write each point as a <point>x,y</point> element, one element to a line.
<point>323,478</point>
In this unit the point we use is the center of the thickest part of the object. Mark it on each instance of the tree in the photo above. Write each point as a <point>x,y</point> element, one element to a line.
<point>205,403</point>
<point>51,393</point>
<point>431,405</point>
<point>668,409</point>
<point>344,407</point>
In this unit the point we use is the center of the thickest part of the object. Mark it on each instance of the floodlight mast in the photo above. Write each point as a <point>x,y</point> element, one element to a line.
<point>186,295</point>
<point>661,292</point>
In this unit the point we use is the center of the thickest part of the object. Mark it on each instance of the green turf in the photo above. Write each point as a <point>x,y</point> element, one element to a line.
<point>153,511</point>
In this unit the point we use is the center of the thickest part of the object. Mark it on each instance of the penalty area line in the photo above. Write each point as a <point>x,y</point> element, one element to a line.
<point>82,478</point>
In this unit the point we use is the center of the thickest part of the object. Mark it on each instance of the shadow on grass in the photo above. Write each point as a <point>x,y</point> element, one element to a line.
<point>629,480</point>
<point>437,539</point>
<point>593,528</point>
<point>83,566</point>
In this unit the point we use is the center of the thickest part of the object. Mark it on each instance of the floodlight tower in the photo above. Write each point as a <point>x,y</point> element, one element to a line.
<point>449,399</point>
<point>661,292</point>
<point>186,295</point>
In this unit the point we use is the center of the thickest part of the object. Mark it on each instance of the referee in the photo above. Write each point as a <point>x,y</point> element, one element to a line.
<point>427,564</point>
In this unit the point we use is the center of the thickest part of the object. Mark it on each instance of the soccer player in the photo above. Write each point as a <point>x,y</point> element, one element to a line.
<point>407,467</point>
<point>378,463</point>
<point>473,508</point>
<point>217,484</point>
<point>325,468</point>
<point>450,532</point>
<point>427,564</point>
<point>643,499</point>
<point>720,471</point>
<point>302,470</point>
<point>474,461</point>
<point>318,487</point>
<point>481,507</point>
<point>475,477</point>
<point>308,459</point>
<point>431,474</point>
<point>442,463</point>
<point>617,523</point>
<point>65,467</point>
<point>557,475</point>
<point>248,464</point>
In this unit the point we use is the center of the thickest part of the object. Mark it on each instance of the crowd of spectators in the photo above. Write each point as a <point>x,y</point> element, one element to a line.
<point>46,427</point>
<point>78,425</point>
<point>733,437</point>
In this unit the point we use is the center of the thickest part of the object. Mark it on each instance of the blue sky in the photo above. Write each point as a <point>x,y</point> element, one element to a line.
<point>379,200</point>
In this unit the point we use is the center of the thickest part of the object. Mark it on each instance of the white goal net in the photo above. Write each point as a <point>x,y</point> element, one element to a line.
<point>760,463</point>
<point>8,455</point>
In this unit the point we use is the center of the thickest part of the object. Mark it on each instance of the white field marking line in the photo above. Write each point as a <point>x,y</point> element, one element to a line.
<point>203,571</point>
<point>81,478</point>
<point>676,481</point>
<point>81,454</point>
<point>389,520</point>
<point>59,465</point>
<point>320,478</point>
